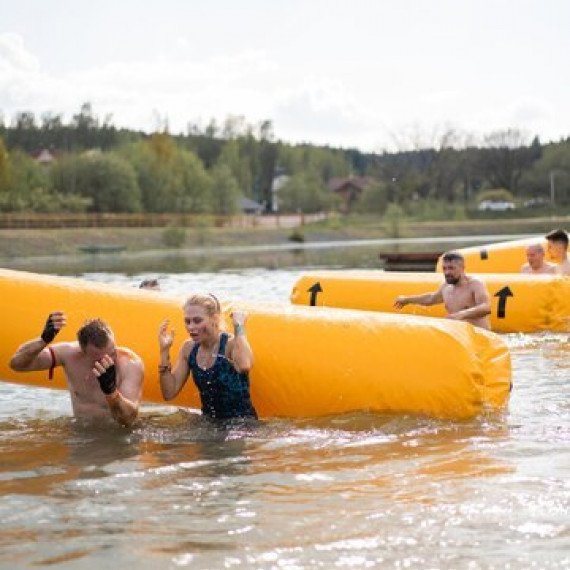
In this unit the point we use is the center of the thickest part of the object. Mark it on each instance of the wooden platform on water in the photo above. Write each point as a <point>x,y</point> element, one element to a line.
<point>412,261</point>
<point>102,248</point>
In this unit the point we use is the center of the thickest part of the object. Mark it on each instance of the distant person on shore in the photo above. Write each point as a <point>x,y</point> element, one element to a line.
<point>104,380</point>
<point>219,362</point>
<point>535,261</point>
<point>466,298</point>
<point>558,250</point>
<point>150,284</point>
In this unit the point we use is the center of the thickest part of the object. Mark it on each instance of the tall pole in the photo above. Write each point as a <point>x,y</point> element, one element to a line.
<point>552,188</point>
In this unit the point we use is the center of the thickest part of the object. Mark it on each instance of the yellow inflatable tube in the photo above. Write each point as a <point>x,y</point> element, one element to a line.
<point>504,257</point>
<point>520,303</point>
<point>308,362</point>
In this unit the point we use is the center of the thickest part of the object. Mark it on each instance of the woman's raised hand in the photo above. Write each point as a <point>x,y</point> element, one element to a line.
<point>165,336</point>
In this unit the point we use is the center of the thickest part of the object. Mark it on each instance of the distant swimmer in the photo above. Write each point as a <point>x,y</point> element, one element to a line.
<point>535,261</point>
<point>104,380</point>
<point>466,298</point>
<point>219,362</point>
<point>558,250</point>
<point>150,284</point>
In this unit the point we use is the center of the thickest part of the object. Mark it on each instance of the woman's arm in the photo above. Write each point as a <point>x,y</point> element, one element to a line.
<point>240,352</point>
<point>172,379</point>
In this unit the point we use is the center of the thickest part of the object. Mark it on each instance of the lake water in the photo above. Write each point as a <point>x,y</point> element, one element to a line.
<point>352,491</point>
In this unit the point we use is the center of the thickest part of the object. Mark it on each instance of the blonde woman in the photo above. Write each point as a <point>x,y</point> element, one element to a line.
<point>219,362</point>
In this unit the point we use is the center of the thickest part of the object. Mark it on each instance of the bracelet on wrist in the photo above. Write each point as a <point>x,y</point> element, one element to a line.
<point>239,329</point>
<point>162,368</point>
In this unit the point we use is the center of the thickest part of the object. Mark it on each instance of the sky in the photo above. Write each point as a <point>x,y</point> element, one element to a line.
<point>369,74</point>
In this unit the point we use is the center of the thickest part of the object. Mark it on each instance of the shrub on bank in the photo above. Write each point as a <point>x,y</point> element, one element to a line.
<point>173,236</point>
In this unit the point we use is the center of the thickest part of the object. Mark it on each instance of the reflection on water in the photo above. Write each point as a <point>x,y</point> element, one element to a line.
<point>357,490</point>
<point>343,254</point>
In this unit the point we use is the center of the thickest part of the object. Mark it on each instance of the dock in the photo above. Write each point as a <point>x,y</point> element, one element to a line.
<point>412,261</point>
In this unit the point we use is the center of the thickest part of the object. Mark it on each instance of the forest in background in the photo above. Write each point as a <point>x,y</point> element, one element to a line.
<point>98,167</point>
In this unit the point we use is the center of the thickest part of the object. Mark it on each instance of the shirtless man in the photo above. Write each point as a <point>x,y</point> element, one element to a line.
<point>104,380</point>
<point>466,298</point>
<point>536,263</point>
<point>558,250</point>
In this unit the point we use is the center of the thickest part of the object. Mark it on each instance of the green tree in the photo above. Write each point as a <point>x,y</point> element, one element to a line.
<point>550,174</point>
<point>171,179</point>
<point>225,191</point>
<point>4,166</point>
<point>495,195</point>
<point>106,180</point>
<point>374,199</point>
<point>304,192</point>
<point>239,164</point>
<point>506,157</point>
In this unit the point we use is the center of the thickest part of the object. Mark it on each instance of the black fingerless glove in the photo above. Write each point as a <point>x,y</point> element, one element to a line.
<point>49,331</point>
<point>108,381</point>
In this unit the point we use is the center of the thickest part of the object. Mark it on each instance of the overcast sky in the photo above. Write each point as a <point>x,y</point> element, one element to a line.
<point>349,73</point>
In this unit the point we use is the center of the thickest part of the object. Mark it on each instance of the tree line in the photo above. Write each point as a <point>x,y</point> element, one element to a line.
<point>101,168</point>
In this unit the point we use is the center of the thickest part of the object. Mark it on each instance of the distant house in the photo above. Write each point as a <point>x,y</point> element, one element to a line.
<point>43,156</point>
<point>279,180</point>
<point>349,188</point>
<point>249,206</point>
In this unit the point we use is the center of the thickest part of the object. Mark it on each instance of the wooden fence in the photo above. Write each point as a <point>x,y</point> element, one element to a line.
<point>108,220</point>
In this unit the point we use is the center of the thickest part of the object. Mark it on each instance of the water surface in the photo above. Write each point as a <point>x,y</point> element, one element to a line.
<point>351,491</point>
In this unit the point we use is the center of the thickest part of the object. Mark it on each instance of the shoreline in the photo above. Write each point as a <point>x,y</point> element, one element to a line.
<point>43,243</point>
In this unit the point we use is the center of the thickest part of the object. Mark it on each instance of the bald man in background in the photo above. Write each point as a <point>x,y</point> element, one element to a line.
<point>536,264</point>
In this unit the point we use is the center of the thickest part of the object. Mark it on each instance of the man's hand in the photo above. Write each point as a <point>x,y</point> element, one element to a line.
<point>106,372</point>
<point>55,322</point>
<point>400,302</point>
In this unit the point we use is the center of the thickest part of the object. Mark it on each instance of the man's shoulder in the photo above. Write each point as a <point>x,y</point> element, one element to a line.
<point>476,285</point>
<point>128,354</point>
<point>564,267</point>
<point>474,280</point>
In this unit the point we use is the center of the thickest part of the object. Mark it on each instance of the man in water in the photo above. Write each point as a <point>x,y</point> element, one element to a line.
<point>558,250</point>
<point>536,263</point>
<point>104,380</point>
<point>466,298</point>
<point>150,284</point>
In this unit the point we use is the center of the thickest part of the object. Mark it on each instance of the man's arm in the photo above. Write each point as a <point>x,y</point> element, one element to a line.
<point>34,354</point>
<point>426,299</point>
<point>123,401</point>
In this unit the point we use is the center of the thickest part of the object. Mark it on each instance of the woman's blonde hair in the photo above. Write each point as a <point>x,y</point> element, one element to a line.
<point>208,302</point>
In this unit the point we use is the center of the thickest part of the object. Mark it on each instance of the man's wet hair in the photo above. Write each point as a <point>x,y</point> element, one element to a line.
<point>149,284</point>
<point>453,256</point>
<point>559,236</point>
<point>95,332</point>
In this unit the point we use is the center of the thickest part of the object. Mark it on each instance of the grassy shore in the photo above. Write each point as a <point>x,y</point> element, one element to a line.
<point>39,242</point>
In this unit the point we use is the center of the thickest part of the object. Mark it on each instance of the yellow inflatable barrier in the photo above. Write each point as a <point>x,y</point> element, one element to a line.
<point>520,303</point>
<point>504,257</point>
<point>308,362</point>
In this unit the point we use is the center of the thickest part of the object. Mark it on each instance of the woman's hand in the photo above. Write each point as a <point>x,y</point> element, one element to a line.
<point>165,337</point>
<point>238,319</point>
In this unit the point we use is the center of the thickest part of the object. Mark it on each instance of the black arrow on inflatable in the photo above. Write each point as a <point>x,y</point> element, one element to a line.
<point>501,307</point>
<point>314,290</point>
